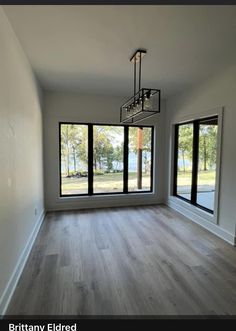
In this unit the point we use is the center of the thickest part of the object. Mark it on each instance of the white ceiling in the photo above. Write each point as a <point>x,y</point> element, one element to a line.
<point>87,48</point>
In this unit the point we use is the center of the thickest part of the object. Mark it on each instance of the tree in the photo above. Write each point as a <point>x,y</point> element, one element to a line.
<point>73,144</point>
<point>82,145</point>
<point>102,149</point>
<point>75,141</point>
<point>140,144</point>
<point>146,144</point>
<point>107,146</point>
<point>118,155</point>
<point>207,145</point>
<point>65,146</point>
<point>185,142</point>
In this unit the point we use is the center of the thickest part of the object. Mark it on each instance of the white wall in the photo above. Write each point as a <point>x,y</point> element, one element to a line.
<point>21,189</point>
<point>90,109</point>
<point>217,91</point>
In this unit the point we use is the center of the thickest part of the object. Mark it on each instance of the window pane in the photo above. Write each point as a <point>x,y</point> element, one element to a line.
<point>140,158</point>
<point>74,159</point>
<point>207,163</point>
<point>184,165</point>
<point>108,142</point>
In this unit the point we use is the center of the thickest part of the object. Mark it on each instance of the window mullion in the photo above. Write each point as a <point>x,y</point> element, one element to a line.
<point>90,159</point>
<point>126,154</point>
<point>176,151</point>
<point>152,156</point>
<point>195,162</point>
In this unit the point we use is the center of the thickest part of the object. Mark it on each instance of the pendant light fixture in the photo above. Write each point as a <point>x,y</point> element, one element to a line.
<point>145,102</point>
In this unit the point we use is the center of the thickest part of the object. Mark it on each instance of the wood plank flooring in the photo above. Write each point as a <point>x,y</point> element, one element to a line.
<point>126,261</point>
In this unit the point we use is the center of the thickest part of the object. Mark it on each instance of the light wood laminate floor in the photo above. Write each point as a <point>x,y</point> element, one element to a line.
<point>126,261</point>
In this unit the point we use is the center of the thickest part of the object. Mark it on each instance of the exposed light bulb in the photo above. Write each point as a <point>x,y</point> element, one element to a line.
<point>131,109</point>
<point>134,108</point>
<point>138,106</point>
<point>147,104</point>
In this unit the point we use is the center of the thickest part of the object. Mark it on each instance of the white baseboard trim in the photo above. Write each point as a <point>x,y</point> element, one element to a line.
<point>12,283</point>
<point>212,227</point>
<point>102,202</point>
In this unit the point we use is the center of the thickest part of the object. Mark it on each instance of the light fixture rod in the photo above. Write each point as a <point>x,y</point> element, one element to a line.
<point>140,62</point>
<point>137,57</point>
<point>134,77</point>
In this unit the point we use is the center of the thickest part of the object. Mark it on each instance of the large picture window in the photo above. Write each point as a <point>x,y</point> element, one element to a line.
<point>195,162</point>
<point>105,159</point>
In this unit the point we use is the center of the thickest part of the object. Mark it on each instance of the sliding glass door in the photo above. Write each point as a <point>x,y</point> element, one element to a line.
<point>195,162</point>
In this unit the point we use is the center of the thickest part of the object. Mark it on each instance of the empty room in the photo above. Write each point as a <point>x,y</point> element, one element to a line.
<point>118,160</point>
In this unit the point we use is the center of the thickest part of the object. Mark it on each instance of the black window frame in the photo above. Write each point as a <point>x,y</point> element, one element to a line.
<point>90,160</point>
<point>195,154</point>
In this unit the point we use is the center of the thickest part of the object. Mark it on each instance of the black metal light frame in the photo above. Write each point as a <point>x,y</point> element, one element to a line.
<point>128,111</point>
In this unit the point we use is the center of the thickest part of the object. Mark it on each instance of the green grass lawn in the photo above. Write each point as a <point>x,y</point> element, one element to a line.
<point>204,178</point>
<point>112,182</point>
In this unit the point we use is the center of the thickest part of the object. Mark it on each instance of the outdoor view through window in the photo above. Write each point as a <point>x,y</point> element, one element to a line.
<point>139,158</point>
<point>74,159</point>
<point>196,162</point>
<point>185,154</point>
<point>207,163</point>
<point>108,162</point>
<point>108,142</point>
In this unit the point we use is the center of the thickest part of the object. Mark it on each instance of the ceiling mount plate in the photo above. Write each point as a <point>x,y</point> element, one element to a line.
<point>138,55</point>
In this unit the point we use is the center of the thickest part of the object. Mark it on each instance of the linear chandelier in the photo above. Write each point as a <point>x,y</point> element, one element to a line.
<point>144,103</point>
